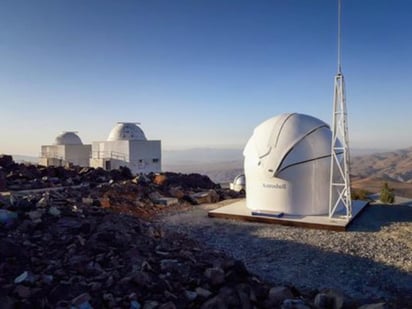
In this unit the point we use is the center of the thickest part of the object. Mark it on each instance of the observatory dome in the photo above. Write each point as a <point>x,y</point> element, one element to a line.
<point>240,180</point>
<point>68,138</point>
<point>126,131</point>
<point>287,165</point>
<point>238,183</point>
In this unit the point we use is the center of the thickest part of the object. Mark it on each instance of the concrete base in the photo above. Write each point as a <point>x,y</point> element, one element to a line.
<point>239,211</point>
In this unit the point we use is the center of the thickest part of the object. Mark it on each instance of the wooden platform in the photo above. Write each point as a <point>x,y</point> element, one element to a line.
<point>239,211</point>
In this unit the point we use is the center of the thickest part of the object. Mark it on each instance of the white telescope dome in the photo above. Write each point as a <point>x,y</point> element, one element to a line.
<point>238,183</point>
<point>287,165</point>
<point>126,131</point>
<point>240,180</point>
<point>68,138</point>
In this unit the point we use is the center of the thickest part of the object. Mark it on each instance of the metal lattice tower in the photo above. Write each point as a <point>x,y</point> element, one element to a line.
<point>340,187</point>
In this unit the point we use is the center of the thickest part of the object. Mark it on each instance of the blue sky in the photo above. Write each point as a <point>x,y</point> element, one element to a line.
<point>200,73</point>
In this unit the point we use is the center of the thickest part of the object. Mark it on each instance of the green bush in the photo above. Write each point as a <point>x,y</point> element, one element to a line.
<point>387,195</point>
<point>360,194</point>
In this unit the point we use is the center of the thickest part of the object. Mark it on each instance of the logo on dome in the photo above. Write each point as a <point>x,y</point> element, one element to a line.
<point>274,186</point>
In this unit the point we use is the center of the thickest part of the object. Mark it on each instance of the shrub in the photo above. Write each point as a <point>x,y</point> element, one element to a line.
<point>360,194</point>
<point>387,195</point>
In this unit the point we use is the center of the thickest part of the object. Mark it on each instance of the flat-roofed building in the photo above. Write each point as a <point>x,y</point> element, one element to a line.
<point>128,146</point>
<point>67,149</point>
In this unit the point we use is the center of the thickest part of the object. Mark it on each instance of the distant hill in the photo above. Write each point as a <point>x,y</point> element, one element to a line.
<point>25,159</point>
<point>370,168</point>
<point>394,166</point>
<point>370,172</point>
<point>221,165</point>
<point>201,155</point>
<point>219,172</point>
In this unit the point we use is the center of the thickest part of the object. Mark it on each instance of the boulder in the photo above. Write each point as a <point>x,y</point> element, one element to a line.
<point>374,306</point>
<point>176,192</point>
<point>6,161</point>
<point>3,182</point>
<point>160,179</point>
<point>278,294</point>
<point>330,299</point>
<point>215,275</point>
<point>205,197</point>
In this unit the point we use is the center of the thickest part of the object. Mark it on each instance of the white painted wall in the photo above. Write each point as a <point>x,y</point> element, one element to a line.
<point>77,154</point>
<point>60,155</point>
<point>145,156</point>
<point>138,155</point>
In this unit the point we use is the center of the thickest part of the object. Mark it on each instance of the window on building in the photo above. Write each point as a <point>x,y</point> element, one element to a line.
<point>155,160</point>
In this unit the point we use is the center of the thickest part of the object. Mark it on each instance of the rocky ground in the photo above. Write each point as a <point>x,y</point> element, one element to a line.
<point>370,262</point>
<point>91,241</point>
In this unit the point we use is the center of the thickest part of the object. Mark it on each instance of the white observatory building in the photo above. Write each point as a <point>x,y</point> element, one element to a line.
<point>297,168</point>
<point>127,146</point>
<point>67,149</point>
<point>287,166</point>
<point>239,183</point>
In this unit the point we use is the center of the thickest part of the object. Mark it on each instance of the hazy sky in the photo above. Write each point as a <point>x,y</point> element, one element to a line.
<point>200,73</point>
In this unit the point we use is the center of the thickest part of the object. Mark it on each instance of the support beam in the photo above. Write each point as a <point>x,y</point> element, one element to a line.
<point>340,187</point>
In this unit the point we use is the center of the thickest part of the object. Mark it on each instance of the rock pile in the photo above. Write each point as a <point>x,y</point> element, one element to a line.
<point>143,195</point>
<point>58,254</point>
<point>79,247</point>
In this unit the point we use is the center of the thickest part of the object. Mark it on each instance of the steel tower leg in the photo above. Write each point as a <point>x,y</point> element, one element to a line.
<point>340,187</point>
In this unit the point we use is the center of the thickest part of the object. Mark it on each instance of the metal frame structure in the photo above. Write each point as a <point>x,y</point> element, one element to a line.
<point>340,186</point>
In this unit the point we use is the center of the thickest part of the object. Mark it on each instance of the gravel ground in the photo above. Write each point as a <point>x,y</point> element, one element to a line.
<point>371,261</point>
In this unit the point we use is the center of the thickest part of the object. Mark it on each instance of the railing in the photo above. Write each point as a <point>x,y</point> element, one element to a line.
<point>108,155</point>
<point>50,155</point>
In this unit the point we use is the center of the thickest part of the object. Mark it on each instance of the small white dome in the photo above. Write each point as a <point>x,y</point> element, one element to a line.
<point>240,180</point>
<point>126,131</point>
<point>68,138</point>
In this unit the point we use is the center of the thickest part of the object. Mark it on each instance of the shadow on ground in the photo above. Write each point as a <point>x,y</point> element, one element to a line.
<point>374,217</point>
<point>288,259</point>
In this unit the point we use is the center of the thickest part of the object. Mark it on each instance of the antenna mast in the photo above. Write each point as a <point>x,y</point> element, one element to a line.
<point>340,187</point>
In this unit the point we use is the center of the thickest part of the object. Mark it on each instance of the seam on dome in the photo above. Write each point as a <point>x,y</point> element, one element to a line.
<point>281,127</point>
<point>287,153</point>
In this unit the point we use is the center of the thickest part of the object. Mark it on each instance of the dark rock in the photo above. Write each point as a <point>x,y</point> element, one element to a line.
<point>294,304</point>
<point>246,296</point>
<point>190,295</point>
<point>134,304</point>
<point>3,181</point>
<point>203,292</point>
<point>22,291</point>
<point>7,302</point>
<point>230,296</point>
<point>374,306</point>
<point>168,305</point>
<point>25,277</point>
<point>205,197</point>
<point>6,161</point>
<point>215,303</point>
<point>8,248</point>
<point>150,304</point>
<point>329,299</point>
<point>7,217</point>
<point>82,301</point>
<point>278,294</point>
<point>215,275</point>
<point>168,265</point>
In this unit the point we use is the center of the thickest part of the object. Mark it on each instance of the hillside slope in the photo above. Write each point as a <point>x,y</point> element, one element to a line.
<point>394,166</point>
